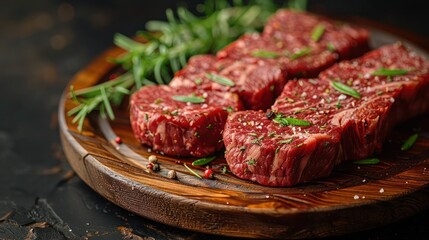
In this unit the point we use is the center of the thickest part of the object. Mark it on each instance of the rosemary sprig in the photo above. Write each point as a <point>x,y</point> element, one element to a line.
<point>175,40</point>
<point>369,161</point>
<point>192,171</point>
<point>265,54</point>
<point>100,96</point>
<point>409,143</point>
<point>220,79</point>
<point>301,53</point>
<point>317,32</point>
<point>286,121</point>
<point>203,161</point>
<point>188,99</point>
<point>342,88</point>
<point>390,72</point>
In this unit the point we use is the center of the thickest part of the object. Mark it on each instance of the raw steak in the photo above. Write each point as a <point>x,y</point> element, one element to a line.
<point>287,40</point>
<point>342,127</point>
<point>181,128</point>
<point>258,84</point>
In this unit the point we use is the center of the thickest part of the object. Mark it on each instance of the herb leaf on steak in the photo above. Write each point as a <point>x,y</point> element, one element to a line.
<point>286,121</point>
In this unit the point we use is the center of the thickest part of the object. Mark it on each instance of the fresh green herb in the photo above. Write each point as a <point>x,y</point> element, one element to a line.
<point>286,121</point>
<point>369,161</point>
<point>271,134</point>
<point>210,126</point>
<point>197,134</point>
<point>341,87</point>
<point>198,81</point>
<point>390,72</point>
<point>253,134</point>
<point>93,98</point>
<point>251,162</point>
<point>242,148</point>
<point>331,47</point>
<point>192,171</point>
<point>408,144</point>
<point>317,32</point>
<point>146,117</point>
<point>277,150</point>
<point>286,141</point>
<point>220,79</point>
<point>272,87</point>
<point>224,169</point>
<point>265,54</point>
<point>338,105</point>
<point>229,109</point>
<point>203,161</point>
<point>175,113</point>
<point>188,99</point>
<point>313,109</point>
<point>107,105</point>
<point>152,61</point>
<point>301,53</point>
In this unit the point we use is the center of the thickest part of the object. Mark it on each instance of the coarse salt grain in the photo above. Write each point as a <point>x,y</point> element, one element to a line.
<point>342,97</point>
<point>381,190</point>
<point>356,197</point>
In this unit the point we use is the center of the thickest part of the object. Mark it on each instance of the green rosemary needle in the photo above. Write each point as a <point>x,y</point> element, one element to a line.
<point>409,143</point>
<point>286,121</point>
<point>341,87</point>
<point>203,161</point>
<point>369,161</point>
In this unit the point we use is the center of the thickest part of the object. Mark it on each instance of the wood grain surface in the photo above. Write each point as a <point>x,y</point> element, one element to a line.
<point>353,198</point>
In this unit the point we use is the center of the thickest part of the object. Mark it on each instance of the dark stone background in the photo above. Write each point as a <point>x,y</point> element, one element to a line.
<point>42,45</point>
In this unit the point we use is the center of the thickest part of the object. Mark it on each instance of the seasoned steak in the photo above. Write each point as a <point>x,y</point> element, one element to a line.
<point>258,84</point>
<point>290,26</point>
<point>266,152</point>
<point>287,39</point>
<point>179,128</point>
<point>386,100</point>
<point>341,127</point>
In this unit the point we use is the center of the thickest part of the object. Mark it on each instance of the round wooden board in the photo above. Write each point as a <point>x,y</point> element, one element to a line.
<point>353,198</point>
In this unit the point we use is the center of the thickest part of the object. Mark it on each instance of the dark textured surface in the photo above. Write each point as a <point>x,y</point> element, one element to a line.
<point>42,45</point>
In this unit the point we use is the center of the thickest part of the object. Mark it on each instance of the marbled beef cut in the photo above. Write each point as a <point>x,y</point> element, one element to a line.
<point>342,127</point>
<point>258,84</point>
<point>180,128</point>
<point>287,41</point>
<point>290,26</point>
